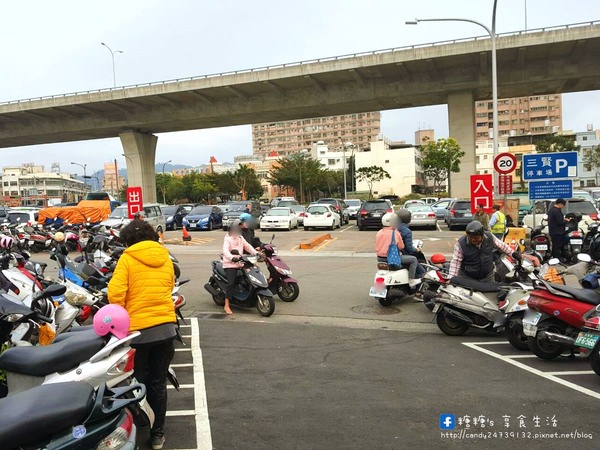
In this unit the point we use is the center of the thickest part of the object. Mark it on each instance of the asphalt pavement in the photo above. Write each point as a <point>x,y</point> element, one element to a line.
<point>334,369</point>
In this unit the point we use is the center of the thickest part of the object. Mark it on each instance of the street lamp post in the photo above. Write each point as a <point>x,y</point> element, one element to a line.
<point>300,162</point>
<point>83,166</point>
<point>163,181</point>
<point>492,33</point>
<point>112,54</point>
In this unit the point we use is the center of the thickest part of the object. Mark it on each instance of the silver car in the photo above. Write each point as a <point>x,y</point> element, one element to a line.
<point>422,216</point>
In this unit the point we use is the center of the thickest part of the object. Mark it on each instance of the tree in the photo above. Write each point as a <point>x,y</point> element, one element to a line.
<point>246,182</point>
<point>299,172</point>
<point>440,159</point>
<point>371,175</point>
<point>591,161</point>
<point>556,143</point>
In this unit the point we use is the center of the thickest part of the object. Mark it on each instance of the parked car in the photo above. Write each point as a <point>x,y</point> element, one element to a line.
<point>279,218</point>
<point>4,214</point>
<point>287,203</point>
<point>586,208</point>
<point>371,212</point>
<point>188,207</point>
<point>441,207</point>
<point>204,217</point>
<point>224,207</point>
<point>429,200</point>
<point>459,214</point>
<point>174,215</point>
<point>322,216</point>
<point>353,207</point>
<point>422,216</point>
<point>29,217</point>
<point>237,208</point>
<point>340,207</point>
<point>264,209</point>
<point>300,213</point>
<point>151,214</point>
<point>276,200</point>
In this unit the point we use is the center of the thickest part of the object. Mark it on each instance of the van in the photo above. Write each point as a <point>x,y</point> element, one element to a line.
<point>152,214</point>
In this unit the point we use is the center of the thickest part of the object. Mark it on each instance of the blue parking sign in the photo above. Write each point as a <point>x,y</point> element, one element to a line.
<point>550,189</point>
<point>548,166</point>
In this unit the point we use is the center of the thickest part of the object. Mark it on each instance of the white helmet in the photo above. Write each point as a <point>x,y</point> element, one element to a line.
<point>389,219</point>
<point>6,241</point>
<point>59,237</point>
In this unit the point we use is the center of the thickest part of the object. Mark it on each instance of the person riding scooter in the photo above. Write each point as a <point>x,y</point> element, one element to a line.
<point>383,239</point>
<point>247,227</point>
<point>473,255</point>
<point>409,249</point>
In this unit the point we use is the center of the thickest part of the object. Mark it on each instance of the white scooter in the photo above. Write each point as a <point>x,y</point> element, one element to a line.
<point>390,285</point>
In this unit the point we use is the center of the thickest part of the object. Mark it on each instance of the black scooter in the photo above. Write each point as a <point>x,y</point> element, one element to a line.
<point>70,416</point>
<point>251,287</point>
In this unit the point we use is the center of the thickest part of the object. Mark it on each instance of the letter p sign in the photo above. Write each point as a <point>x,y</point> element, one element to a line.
<point>560,165</point>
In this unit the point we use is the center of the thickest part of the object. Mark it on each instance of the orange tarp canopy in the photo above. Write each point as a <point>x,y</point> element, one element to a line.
<point>86,211</point>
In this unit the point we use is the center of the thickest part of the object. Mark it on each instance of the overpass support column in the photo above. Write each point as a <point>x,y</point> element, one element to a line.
<point>140,151</point>
<point>461,117</point>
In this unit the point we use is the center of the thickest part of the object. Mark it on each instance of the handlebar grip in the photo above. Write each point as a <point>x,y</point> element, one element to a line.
<point>44,319</point>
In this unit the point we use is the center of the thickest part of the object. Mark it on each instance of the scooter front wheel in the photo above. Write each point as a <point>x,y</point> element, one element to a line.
<point>449,325</point>
<point>515,335</point>
<point>265,305</point>
<point>288,292</point>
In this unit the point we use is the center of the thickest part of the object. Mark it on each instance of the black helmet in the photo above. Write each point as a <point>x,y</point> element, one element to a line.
<point>404,215</point>
<point>474,228</point>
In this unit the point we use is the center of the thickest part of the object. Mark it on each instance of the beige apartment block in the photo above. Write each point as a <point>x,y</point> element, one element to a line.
<point>520,115</point>
<point>291,136</point>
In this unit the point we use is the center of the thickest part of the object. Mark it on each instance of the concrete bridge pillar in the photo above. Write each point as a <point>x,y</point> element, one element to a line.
<point>461,118</point>
<point>140,151</point>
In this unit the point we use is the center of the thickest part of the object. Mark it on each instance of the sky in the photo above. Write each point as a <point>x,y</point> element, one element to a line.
<point>54,47</point>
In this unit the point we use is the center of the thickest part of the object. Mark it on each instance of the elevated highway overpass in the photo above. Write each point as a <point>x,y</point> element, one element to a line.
<point>543,61</point>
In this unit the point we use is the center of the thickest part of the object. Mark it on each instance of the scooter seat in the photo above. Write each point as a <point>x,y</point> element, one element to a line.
<point>33,416</point>
<point>39,361</point>
<point>480,286</point>
<point>584,295</point>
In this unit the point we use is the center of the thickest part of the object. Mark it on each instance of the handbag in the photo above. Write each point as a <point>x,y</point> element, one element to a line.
<point>393,254</point>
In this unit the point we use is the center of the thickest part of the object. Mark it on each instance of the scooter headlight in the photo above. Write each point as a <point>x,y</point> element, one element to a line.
<point>257,281</point>
<point>283,271</point>
<point>13,317</point>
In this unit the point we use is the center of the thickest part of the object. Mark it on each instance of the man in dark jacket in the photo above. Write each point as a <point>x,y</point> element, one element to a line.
<point>556,226</point>
<point>409,249</point>
<point>473,255</point>
<point>247,229</point>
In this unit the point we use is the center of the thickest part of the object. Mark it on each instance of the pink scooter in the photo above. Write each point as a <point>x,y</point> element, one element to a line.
<point>280,281</point>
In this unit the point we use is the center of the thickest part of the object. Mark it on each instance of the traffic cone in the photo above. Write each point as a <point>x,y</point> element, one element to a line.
<point>186,235</point>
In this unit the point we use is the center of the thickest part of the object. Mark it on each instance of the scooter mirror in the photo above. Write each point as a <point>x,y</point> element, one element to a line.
<point>272,237</point>
<point>584,257</point>
<point>554,261</point>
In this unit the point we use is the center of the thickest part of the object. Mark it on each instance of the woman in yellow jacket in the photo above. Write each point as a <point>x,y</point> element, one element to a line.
<point>142,283</point>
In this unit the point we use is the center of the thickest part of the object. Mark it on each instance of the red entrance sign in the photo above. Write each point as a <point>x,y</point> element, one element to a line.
<point>505,184</point>
<point>135,203</point>
<point>482,191</point>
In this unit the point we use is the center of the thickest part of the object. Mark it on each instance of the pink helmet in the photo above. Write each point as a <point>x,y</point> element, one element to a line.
<point>6,241</point>
<point>112,319</point>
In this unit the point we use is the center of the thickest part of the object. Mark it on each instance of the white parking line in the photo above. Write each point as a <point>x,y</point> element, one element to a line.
<point>571,372</point>
<point>183,350</point>
<point>546,375</point>
<point>203,436</point>
<point>175,366</point>
<point>182,412</point>
<point>347,228</point>
<point>182,386</point>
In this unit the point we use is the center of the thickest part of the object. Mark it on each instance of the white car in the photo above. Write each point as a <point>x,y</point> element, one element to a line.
<point>585,208</point>
<point>279,218</point>
<point>321,216</point>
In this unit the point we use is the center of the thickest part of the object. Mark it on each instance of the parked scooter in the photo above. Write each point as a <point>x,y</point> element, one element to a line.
<point>555,316</point>
<point>252,288</point>
<point>280,281</point>
<point>70,415</point>
<point>540,242</point>
<point>573,238</point>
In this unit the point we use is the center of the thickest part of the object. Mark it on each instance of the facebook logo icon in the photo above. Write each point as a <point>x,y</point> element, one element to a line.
<point>447,421</point>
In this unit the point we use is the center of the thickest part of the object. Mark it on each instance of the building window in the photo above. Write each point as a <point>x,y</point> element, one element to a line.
<point>331,162</point>
<point>485,156</point>
<point>387,161</point>
<point>584,138</point>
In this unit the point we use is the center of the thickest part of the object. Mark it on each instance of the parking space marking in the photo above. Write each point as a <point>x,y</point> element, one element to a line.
<point>181,412</point>
<point>183,349</point>
<point>347,228</point>
<point>203,436</point>
<point>550,376</point>
<point>327,242</point>
<point>175,366</point>
<point>572,372</point>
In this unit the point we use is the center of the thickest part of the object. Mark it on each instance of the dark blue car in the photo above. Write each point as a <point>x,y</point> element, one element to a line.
<point>204,218</point>
<point>174,216</point>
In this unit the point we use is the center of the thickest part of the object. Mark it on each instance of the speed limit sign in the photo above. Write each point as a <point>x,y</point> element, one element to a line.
<point>505,163</point>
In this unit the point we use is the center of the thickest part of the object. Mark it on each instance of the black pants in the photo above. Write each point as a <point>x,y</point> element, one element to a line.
<point>558,241</point>
<point>151,366</point>
<point>231,278</point>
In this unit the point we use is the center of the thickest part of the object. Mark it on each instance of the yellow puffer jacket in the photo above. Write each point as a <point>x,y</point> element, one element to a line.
<point>142,284</point>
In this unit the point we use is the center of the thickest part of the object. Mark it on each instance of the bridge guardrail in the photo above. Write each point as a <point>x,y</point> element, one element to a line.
<point>301,63</point>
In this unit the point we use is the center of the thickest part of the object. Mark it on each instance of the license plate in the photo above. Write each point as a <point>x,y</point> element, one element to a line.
<point>530,322</point>
<point>468,215</point>
<point>576,241</point>
<point>378,292</point>
<point>587,340</point>
<point>418,216</point>
<point>436,308</point>
<point>376,215</point>
<point>541,247</point>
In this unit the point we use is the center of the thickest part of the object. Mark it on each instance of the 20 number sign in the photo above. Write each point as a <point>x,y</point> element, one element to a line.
<point>505,163</point>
